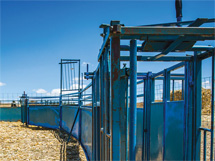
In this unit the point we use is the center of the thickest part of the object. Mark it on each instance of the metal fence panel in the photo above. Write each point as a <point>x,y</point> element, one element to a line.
<point>10,113</point>
<point>68,115</point>
<point>156,131</point>
<point>86,131</point>
<point>45,116</point>
<point>174,130</point>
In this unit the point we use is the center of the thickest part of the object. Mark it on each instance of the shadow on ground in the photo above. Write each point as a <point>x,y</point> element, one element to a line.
<point>68,152</point>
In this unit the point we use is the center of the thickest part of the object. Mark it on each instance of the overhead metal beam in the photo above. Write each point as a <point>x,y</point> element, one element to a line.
<point>159,31</point>
<point>171,47</point>
<point>165,58</point>
<point>180,23</point>
<point>166,37</point>
<point>194,48</point>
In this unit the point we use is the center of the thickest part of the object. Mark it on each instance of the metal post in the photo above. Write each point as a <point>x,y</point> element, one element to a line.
<point>106,104</point>
<point>60,99</point>
<point>82,82</point>
<point>182,83</point>
<point>102,131</point>
<point>185,139</point>
<point>97,106</point>
<point>115,97</point>
<point>197,105</point>
<point>173,89</point>
<point>133,100</point>
<point>166,97</point>
<point>123,117</point>
<point>212,106</point>
<point>93,120</point>
<point>79,101</point>
<point>205,144</point>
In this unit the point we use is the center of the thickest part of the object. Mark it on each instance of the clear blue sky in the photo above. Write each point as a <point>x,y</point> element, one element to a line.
<point>36,35</point>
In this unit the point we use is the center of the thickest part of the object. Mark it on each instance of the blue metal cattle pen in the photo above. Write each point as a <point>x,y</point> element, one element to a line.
<point>107,121</point>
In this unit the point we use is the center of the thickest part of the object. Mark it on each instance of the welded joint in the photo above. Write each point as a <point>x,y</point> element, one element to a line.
<point>116,27</point>
<point>124,72</point>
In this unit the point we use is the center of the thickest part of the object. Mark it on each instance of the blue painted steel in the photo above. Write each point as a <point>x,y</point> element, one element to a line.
<point>197,104</point>
<point>212,107</point>
<point>115,98</point>
<point>68,116</point>
<point>124,117</point>
<point>133,100</point>
<point>86,128</point>
<point>10,114</point>
<point>174,130</point>
<point>45,116</point>
<point>156,131</point>
<point>205,143</point>
<point>24,109</point>
<point>167,130</point>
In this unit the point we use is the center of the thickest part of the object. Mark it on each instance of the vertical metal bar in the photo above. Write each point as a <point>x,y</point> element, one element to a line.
<point>205,145</point>
<point>106,103</point>
<point>212,107</point>
<point>185,136</point>
<point>79,75</point>
<point>189,104</point>
<point>79,101</point>
<point>60,99</point>
<point>149,98</point>
<point>71,75</point>
<point>63,83</point>
<point>123,117</point>
<point>104,106</point>
<point>115,97</point>
<point>68,75</point>
<point>65,76</point>
<point>27,110</point>
<point>197,105</point>
<point>102,135</point>
<point>97,96</point>
<point>74,76</point>
<point>82,80</point>
<point>93,120</point>
<point>133,100</point>
<point>144,121</point>
<point>166,97</point>
<point>182,90</point>
<point>173,89</point>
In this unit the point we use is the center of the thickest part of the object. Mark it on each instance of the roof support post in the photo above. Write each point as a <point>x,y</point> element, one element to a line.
<point>115,98</point>
<point>133,100</point>
<point>197,106</point>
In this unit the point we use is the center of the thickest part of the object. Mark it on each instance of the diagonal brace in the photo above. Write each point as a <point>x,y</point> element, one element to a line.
<point>198,22</point>
<point>171,47</point>
<point>70,133</point>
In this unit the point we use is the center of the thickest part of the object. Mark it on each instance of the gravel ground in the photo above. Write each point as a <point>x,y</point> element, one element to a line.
<point>18,142</point>
<point>35,143</point>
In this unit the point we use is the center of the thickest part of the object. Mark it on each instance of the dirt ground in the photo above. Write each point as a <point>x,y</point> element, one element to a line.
<point>19,143</point>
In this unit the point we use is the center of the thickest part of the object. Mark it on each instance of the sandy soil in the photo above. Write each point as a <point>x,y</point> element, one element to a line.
<point>18,142</point>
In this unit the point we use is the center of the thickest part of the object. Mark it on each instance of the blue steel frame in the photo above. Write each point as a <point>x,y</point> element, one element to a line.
<point>114,94</point>
<point>176,39</point>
